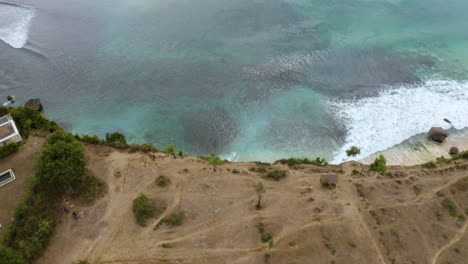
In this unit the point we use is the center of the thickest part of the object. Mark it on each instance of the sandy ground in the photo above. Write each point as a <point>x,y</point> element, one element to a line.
<point>368,218</point>
<point>23,165</point>
<point>422,153</point>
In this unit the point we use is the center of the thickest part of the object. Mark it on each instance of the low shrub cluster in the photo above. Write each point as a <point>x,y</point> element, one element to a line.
<point>142,209</point>
<point>8,149</point>
<point>276,174</point>
<point>379,164</point>
<point>264,236</point>
<point>162,181</point>
<point>10,256</point>
<point>116,140</point>
<point>296,161</point>
<point>213,159</point>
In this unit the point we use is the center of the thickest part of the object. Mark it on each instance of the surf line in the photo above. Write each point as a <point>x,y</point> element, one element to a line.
<point>14,4</point>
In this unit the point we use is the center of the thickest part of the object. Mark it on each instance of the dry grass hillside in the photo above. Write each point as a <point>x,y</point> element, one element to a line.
<point>400,217</point>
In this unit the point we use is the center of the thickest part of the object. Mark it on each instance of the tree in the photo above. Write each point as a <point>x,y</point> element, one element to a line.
<point>10,256</point>
<point>170,150</point>
<point>353,151</point>
<point>116,139</point>
<point>379,164</point>
<point>61,161</point>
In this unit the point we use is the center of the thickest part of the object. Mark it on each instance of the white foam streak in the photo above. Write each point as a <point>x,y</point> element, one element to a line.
<point>378,123</point>
<point>14,24</point>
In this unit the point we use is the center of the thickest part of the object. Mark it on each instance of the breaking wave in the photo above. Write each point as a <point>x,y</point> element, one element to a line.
<point>15,21</point>
<point>378,123</point>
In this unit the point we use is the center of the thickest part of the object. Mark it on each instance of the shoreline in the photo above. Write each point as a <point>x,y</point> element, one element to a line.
<point>418,150</point>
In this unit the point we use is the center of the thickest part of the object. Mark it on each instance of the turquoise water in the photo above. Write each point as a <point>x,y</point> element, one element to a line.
<point>246,79</point>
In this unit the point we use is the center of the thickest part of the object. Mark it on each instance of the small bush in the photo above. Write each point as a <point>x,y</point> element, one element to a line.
<point>296,161</point>
<point>142,209</point>
<point>181,153</point>
<point>457,250</point>
<point>450,206</point>
<point>166,245</point>
<point>276,174</point>
<point>430,164</point>
<point>170,150</point>
<point>143,148</point>
<point>292,243</point>
<point>379,164</point>
<point>270,243</point>
<point>213,159</point>
<point>162,181</point>
<point>351,244</point>
<point>259,170</point>
<point>355,172</point>
<point>8,149</point>
<point>10,256</point>
<point>89,139</point>
<point>353,151</point>
<point>439,194</point>
<point>235,171</point>
<point>116,139</point>
<point>173,220</point>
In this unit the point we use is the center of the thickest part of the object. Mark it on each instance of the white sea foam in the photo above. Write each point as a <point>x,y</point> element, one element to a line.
<point>377,123</point>
<point>14,24</point>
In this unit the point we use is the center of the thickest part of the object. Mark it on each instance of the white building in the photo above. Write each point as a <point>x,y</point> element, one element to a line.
<point>8,131</point>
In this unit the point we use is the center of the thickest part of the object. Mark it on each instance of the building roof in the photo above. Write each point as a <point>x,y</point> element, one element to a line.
<point>7,128</point>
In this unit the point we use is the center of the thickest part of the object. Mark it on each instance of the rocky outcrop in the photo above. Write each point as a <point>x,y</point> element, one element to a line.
<point>437,134</point>
<point>453,151</point>
<point>34,104</point>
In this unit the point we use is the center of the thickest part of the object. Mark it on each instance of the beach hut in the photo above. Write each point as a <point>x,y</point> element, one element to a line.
<point>8,131</point>
<point>329,180</point>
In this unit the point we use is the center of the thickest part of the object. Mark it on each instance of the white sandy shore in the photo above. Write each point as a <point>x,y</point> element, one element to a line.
<point>419,151</point>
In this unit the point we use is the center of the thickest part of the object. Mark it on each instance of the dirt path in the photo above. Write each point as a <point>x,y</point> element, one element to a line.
<point>458,236</point>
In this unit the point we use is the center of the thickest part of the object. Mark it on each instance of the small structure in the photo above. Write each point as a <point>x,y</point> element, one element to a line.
<point>7,177</point>
<point>8,131</point>
<point>329,180</point>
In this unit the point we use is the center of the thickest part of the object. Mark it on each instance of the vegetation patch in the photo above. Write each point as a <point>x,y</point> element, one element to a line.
<point>116,139</point>
<point>430,164</point>
<point>450,206</point>
<point>276,174</point>
<point>28,120</point>
<point>330,248</point>
<point>8,149</point>
<point>296,161</point>
<point>146,148</point>
<point>172,220</point>
<point>292,243</point>
<point>264,236</point>
<point>10,256</point>
<point>259,170</point>
<point>162,181</point>
<point>89,189</point>
<point>142,209</point>
<point>375,216</point>
<point>170,150</point>
<point>213,159</point>
<point>379,164</point>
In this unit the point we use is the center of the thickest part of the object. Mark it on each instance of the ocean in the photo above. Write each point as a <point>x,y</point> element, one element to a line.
<point>245,79</point>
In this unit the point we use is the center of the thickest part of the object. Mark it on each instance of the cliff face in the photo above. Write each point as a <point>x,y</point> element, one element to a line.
<point>400,217</point>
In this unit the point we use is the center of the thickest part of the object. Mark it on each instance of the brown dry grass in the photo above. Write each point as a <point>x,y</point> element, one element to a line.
<point>220,222</point>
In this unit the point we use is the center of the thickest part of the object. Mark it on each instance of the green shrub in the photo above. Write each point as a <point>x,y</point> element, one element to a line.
<point>235,171</point>
<point>8,149</point>
<point>170,150</point>
<point>430,164</point>
<point>260,170</point>
<point>116,139</point>
<point>460,155</point>
<point>89,139</point>
<point>297,161</point>
<point>379,165</point>
<point>10,256</point>
<point>28,119</point>
<point>32,246</point>
<point>174,219</point>
<point>292,243</point>
<point>213,159</point>
<point>142,209</point>
<point>353,151</point>
<point>276,174</point>
<point>270,243</point>
<point>61,163</point>
<point>162,181</point>
<point>147,147</point>
<point>181,153</point>
<point>450,206</point>
<point>355,172</point>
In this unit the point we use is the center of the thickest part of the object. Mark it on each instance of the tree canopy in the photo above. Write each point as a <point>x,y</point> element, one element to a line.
<point>62,161</point>
<point>9,256</point>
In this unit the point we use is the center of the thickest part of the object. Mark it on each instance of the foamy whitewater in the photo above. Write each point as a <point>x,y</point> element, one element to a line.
<point>378,123</point>
<point>15,22</point>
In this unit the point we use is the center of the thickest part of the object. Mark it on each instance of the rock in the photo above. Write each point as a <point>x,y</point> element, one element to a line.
<point>437,134</point>
<point>34,104</point>
<point>453,151</point>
